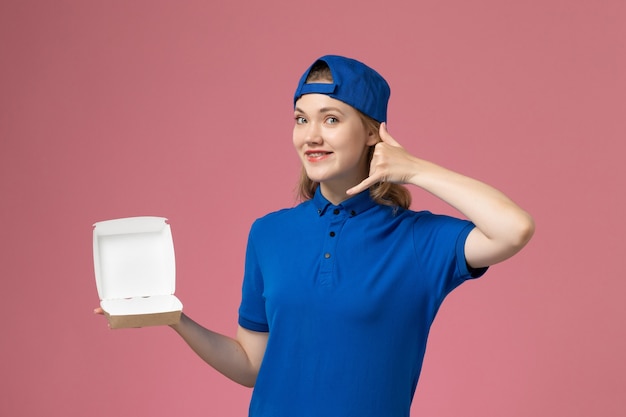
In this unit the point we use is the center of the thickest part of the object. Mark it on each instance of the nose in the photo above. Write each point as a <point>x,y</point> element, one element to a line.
<point>313,134</point>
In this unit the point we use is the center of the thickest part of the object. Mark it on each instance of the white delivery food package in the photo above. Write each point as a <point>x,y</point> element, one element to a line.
<point>136,272</point>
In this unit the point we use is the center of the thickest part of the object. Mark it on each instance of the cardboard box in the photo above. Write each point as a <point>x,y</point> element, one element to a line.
<point>135,272</point>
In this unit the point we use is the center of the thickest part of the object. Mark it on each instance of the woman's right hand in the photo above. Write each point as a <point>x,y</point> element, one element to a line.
<point>100,311</point>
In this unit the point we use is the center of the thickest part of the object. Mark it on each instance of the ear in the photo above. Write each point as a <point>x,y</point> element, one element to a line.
<point>373,137</point>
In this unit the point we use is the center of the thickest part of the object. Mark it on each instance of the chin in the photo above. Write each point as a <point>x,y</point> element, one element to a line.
<point>316,176</point>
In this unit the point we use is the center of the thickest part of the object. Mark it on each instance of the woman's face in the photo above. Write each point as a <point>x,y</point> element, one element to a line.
<point>332,142</point>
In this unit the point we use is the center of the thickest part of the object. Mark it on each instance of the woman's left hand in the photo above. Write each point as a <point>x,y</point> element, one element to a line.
<point>390,163</point>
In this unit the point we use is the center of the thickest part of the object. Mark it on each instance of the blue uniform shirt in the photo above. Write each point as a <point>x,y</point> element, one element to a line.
<point>348,294</point>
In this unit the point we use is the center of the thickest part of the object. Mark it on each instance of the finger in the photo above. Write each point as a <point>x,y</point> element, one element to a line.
<point>363,185</point>
<point>386,137</point>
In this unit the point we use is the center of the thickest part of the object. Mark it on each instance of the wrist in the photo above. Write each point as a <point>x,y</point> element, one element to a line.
<point>177,326</point>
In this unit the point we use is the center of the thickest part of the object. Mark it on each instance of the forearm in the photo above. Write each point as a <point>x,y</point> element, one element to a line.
<point>490,210</point>
<point>507,226</point>
<point>223,353</point>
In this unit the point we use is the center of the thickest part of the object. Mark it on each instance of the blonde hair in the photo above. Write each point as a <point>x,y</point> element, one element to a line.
<point>386,193</point>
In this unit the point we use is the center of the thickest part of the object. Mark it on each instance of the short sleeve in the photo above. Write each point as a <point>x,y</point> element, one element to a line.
<point>440,245</point>
<point>252,314</point>
<point>464,270</point>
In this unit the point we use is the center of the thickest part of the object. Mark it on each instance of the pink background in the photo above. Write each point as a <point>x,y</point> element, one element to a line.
<point>183,109</point>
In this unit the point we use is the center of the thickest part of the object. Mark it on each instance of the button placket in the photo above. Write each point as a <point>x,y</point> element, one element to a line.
<point>337,218</point>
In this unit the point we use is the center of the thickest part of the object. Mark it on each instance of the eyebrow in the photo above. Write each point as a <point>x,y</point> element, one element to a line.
<point>322,110</point>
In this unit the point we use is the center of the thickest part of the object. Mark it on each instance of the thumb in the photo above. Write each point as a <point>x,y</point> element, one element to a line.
<point>385,136</point>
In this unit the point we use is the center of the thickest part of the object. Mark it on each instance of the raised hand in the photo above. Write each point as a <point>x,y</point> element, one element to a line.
<point>390,163</point>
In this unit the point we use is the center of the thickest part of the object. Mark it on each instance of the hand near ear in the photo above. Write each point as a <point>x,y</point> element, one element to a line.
<point>390,163</point>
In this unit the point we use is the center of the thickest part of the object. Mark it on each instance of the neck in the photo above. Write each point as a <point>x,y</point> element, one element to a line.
<point>335,193</point>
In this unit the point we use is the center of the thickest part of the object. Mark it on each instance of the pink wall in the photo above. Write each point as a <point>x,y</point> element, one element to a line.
<point>183,109</point>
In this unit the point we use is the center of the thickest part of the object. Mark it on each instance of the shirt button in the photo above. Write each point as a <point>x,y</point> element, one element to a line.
<point>353,213</point>
<point>332,234</point>
<point>327,255</point>
<point>336,211</point>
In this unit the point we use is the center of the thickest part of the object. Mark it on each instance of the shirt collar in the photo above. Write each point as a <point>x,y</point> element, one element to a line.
<point>354,206</point>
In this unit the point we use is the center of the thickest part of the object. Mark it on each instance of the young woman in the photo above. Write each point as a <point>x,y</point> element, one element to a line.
<point>340,291</point>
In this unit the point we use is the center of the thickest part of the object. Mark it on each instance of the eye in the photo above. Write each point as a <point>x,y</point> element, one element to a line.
<point>300,120</point>
<point>332,120</point>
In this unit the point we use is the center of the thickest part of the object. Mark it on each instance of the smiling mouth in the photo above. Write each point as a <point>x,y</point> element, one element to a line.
<point>317,154</point>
